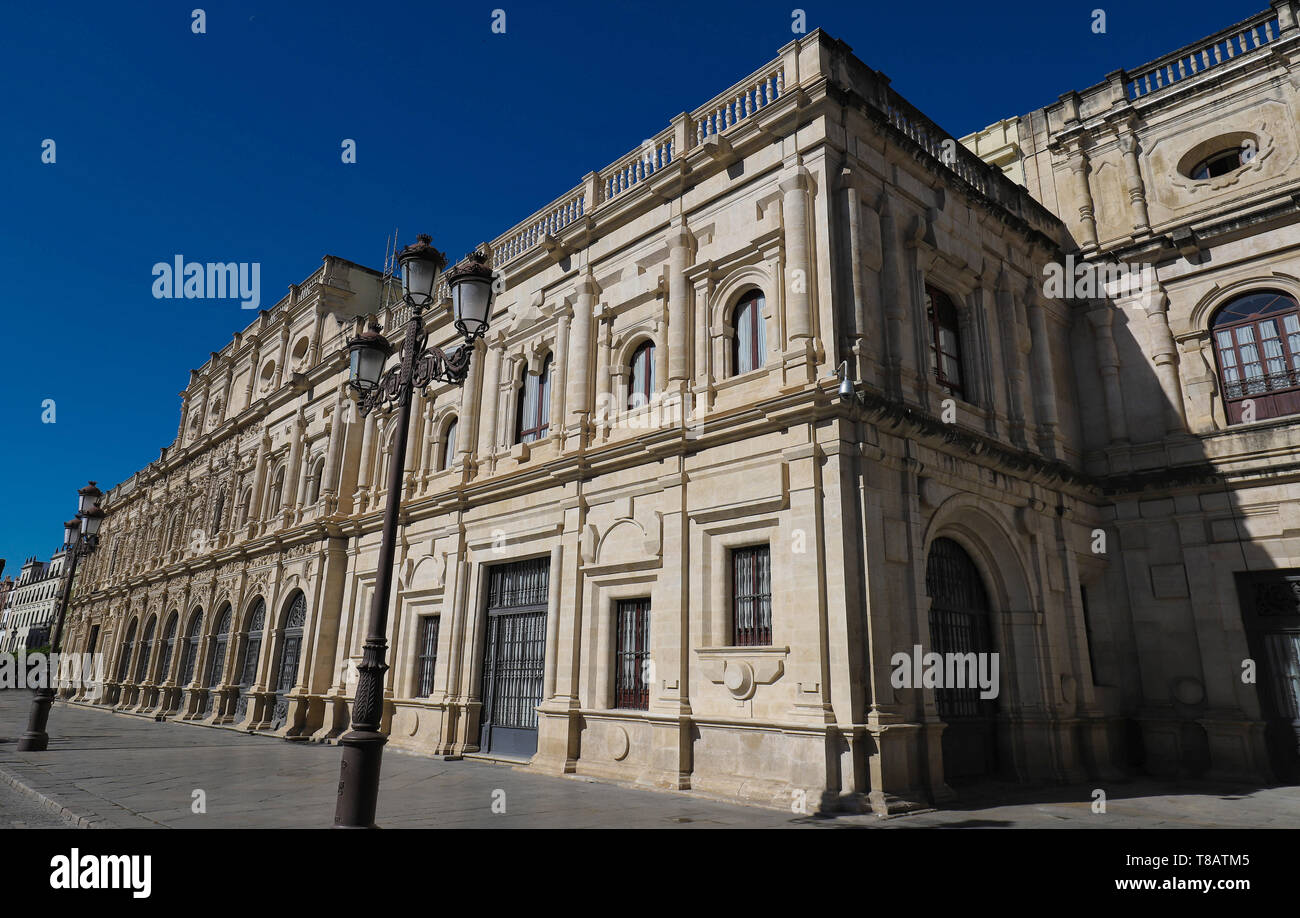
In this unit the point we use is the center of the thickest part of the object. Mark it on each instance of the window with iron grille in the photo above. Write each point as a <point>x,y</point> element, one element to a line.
<point>751,596</point>
<point>291,644</point>
<point>532,421</point>
<point>1257,346</point>
<point>428,657</point>
<point>253,645</point>
<point>945,340</point>
<point>219,643</point>
<point>749,345</point>
<point>631,687</point>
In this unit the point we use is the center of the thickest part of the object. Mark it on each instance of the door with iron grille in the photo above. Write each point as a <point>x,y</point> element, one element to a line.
<point>252,650</point>
<point>290,651</point>
<point>1270,611</point>
<point>959,624</point>
<point>514,657</point>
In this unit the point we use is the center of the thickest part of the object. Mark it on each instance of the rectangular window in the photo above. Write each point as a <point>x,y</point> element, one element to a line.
<point>631,688</point>
<point>428,656</point>
<point>751,603</point>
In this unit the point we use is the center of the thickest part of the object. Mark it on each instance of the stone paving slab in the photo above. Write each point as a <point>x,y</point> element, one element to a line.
<point>104,770</point>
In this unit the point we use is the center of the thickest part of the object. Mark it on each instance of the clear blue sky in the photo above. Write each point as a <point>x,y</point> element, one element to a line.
<point>226,147</point>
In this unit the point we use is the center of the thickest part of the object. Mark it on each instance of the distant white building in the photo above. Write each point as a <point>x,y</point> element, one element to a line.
<point>29,606</point>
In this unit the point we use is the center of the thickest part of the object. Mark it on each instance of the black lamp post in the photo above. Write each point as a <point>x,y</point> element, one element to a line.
<point>471,300</point>
<point>80,537</point>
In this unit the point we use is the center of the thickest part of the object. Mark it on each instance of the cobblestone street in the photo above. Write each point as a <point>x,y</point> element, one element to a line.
<point>107,770</point>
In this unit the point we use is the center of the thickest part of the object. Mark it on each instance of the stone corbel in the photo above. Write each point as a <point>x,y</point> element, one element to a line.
<point>742,669</point>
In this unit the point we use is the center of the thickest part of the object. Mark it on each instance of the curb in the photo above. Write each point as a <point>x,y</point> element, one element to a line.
<point>75,820</point>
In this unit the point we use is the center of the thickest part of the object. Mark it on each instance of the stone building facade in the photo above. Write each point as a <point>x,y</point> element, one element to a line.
<point>648,541</point>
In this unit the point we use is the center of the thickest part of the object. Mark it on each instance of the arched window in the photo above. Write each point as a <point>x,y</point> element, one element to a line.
<point>532,421</point>
<point>448,446</point>
<point>641,384</point>
<point>277,492</point>
<point>169,645</point>
<point>252,650</point>
<point>749,346</point>
<point>290,652</point>
<point>191,653</point>
<point>245,506</point>
<point>124,662</point>
<point>317,477</point>
<point>220,641</point>
<point>945,340</point>
<point>146,645</point>
<point>1257,346</point>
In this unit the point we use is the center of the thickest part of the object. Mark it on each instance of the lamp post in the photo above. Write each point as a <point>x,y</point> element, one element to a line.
<point>471,299</point>
<point>81,533</point>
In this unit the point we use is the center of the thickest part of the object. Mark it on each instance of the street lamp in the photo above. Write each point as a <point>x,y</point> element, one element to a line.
<point>471,301</point>
<point>80,535</point>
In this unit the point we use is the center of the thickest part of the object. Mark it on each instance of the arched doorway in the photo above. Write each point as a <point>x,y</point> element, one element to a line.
<point>219,643</point>
<point>959,624</point>
<point>290,652</point>
<point>252,650</point>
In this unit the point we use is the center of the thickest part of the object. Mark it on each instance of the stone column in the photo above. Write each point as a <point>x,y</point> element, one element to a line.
<point>560,368</point>
<point>283,356</point>
<point>255,361</point>
<point>681,245</point>
<point>1083,196</point>
<point>226,394</point>
<point>579,373</point>
<point>468,400</point>
<point>608,404</point>
<point>259,483</point>
<point>798,355</point>
<point>289,500</point>
<point>893,296</point>
<point>339,424</point>
<point>1164,353</point>
<point>857,338</point>
<point>487,432</point>
<point>1014,356</point>
<point>364,465</point>
<point>1108,361</point>
<point>1133,178</point>
<point>411,461</point>
<point>185,410</point>
<point>1044,375</point>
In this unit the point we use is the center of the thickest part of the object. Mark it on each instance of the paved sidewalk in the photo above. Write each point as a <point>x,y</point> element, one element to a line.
<point>115,771</point>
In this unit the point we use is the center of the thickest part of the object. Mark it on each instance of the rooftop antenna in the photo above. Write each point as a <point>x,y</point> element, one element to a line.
<point>390,268</point>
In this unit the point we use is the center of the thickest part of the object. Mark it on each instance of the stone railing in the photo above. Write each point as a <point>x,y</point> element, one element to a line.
<point>719,114</point>
<point>728,109</point>
<point>636,166</point>
<point>1231,43</point>
<point>546,222</point>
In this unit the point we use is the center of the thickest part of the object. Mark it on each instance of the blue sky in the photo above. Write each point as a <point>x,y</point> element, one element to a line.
<point>225,146</point>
